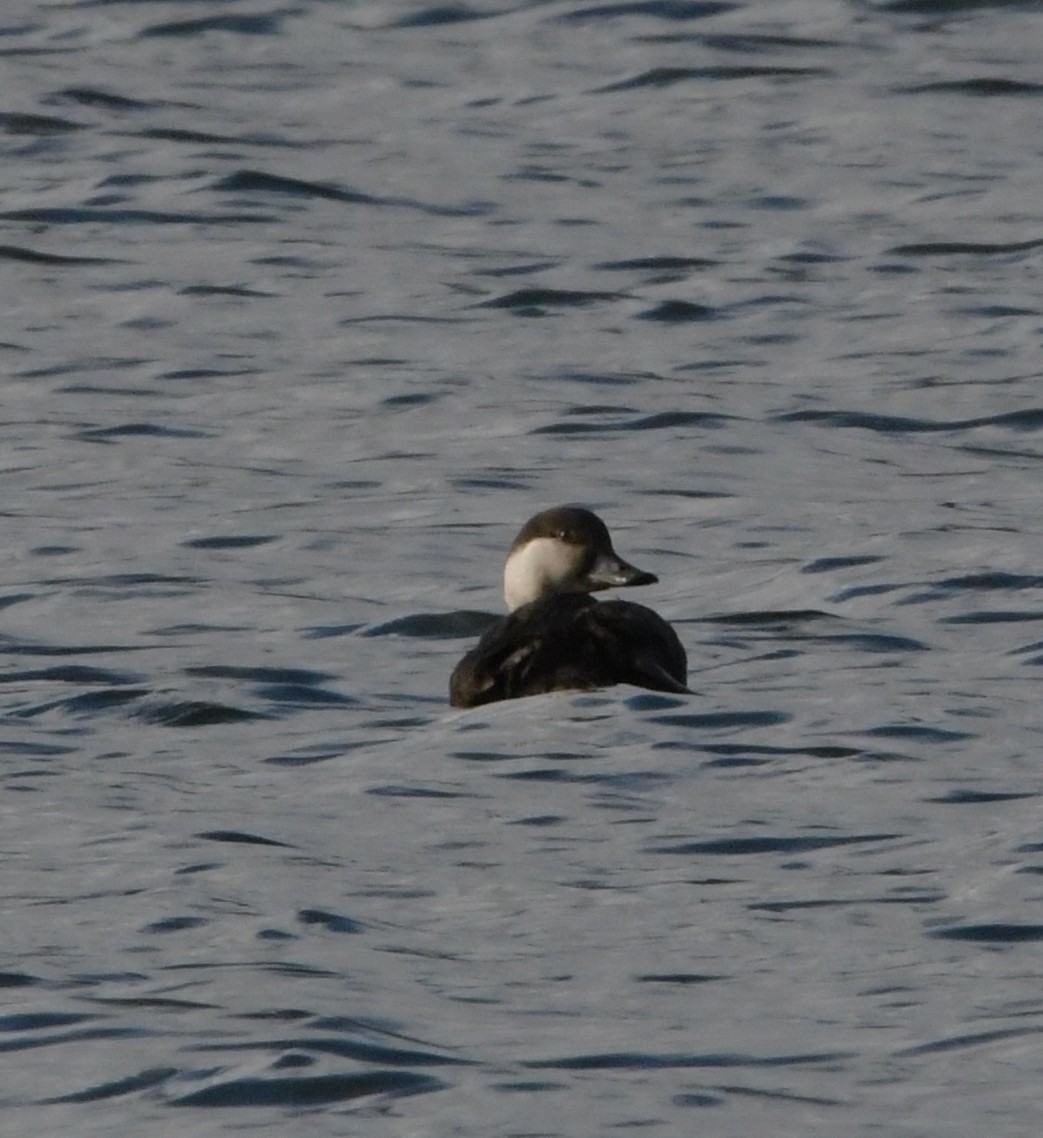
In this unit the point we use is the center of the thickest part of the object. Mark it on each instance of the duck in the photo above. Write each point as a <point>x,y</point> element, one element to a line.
<point>556,636</point>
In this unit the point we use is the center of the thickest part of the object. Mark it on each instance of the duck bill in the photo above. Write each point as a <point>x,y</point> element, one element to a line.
<point>612,571</point>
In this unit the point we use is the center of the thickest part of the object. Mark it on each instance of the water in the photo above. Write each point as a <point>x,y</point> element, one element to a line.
<point>305,311</point>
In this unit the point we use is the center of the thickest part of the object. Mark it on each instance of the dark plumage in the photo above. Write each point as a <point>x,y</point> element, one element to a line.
<point>558,638</point>
<point>570,642</point>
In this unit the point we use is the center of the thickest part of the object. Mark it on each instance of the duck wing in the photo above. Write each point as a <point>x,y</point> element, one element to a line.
<point>570,643</point>
<point>536,649</point>
<point>639,647</point>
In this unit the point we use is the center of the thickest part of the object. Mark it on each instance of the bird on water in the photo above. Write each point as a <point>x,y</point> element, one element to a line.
<point>557,637</point>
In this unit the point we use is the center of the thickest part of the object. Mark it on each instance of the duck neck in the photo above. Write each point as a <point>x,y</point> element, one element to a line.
<point>537,569</point>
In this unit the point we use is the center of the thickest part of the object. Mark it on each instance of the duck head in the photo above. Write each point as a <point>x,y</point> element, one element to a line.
<point>565,550</point>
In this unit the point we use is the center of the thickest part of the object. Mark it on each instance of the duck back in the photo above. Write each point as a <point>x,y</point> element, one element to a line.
<point>570,642</point>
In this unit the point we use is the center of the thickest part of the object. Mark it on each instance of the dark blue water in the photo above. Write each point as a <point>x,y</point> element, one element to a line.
<point>305,310</point>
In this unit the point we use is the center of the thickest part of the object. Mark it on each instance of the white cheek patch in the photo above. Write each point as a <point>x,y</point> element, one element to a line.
<point>540,567</point>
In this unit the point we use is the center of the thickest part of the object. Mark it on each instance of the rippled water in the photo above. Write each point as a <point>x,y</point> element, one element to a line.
<point>305,310</point>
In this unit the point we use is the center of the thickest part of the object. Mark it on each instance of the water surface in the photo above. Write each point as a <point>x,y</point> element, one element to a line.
<point>306,309</point>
